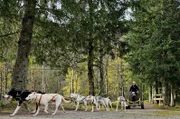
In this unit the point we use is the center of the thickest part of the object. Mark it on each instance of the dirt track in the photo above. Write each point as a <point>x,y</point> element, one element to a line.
<point>133,113</point>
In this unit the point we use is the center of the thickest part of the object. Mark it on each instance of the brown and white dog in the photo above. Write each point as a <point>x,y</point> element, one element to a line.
<point>45,99</point>
<point>121,100</point>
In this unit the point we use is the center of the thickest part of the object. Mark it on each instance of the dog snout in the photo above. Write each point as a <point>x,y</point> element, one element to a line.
<point>27,99</point>
<point>6,97</point>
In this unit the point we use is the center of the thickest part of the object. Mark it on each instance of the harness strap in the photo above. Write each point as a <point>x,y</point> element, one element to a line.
<point>53,98</point>
<point>84,98</point>
<point>40,99</point>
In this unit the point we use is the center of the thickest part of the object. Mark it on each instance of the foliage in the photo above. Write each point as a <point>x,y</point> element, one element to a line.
<point>154,40</point>
<point>62,35</point>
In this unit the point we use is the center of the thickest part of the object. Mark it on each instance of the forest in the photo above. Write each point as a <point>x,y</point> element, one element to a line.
<point>96,47</point>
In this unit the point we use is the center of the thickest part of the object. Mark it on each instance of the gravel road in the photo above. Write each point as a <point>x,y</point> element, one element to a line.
<point>133,113</point>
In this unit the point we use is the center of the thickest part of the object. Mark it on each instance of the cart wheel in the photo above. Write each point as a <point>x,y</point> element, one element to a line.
<point>142,105</point>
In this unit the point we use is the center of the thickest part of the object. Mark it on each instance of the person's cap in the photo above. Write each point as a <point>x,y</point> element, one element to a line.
<point>134,82</point>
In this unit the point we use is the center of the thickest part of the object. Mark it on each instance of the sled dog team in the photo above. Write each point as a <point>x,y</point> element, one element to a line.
<point>40,98</point>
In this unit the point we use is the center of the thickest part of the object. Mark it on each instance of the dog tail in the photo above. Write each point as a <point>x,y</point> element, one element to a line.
<point>66,101</point>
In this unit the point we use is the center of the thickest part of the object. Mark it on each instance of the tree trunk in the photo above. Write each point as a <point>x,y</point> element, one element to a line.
<point>32,79</point>
<point>76,83</point>
<point>102,83</point>
<point>43,85</point>
<point>121,75</point>
<point>118,79</point>
<point>72,81</point>
<point>20,71</point>
<point>90,69</point>
<point>150,94</point>
<point>91,50</point>
<point>5,76</point>
<point>106,77</point>
<point>166,93</point>
<point>156,90</point>
<point>172,97</point>
<point>1,91</point>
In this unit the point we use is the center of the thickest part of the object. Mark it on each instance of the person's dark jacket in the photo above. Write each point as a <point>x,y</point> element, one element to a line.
<point>134,88</point>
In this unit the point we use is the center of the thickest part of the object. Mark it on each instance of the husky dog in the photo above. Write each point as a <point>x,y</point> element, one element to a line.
<point>101,101</point>
<point>86,99</point>
<point>121,100</point>
<point>93,101</point>
<point>78,98</point>
<point>108,102</point>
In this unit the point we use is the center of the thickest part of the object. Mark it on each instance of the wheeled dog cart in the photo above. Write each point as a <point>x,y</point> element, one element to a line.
<point>134,101</point>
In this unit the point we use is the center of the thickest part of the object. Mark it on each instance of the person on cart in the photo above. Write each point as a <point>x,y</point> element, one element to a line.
<point>134,90</point>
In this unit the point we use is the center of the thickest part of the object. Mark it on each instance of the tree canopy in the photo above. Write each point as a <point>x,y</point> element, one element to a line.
<point>154,41</point>
<point>92,37</point>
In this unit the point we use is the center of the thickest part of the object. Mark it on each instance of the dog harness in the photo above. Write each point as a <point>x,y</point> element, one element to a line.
<point>49,101</point>
<point>40,99</point>
<point>53,98</point>
<point>83,98</point>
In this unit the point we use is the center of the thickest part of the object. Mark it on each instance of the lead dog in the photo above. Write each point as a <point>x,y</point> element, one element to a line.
<point>19,96</point>
<point>121,100</point>
<point>45,99</point>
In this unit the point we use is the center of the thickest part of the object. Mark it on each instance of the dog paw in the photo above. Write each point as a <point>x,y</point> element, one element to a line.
<point>33,112</point>
<point>46,112</point>
<point>34,115</point>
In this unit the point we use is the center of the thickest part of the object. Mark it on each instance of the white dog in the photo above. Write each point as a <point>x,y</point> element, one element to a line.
<point>45,99</point>
<point>121,100</point>
<point>86,99</point>
<point>108,102</point>
<point>101,101</point>
<point>93,101</point>
<point>78,98</point>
